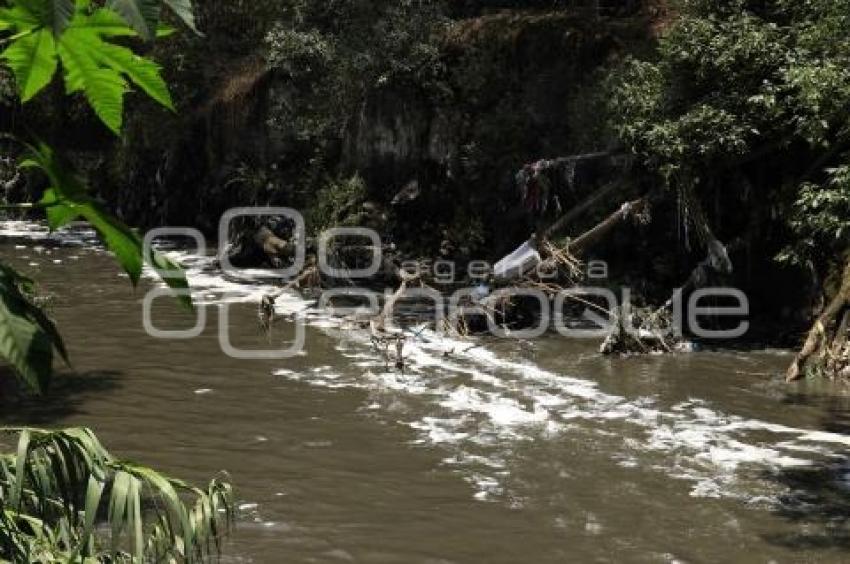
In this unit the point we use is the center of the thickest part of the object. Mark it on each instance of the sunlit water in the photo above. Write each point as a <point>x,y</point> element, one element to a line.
<point>482,451</point>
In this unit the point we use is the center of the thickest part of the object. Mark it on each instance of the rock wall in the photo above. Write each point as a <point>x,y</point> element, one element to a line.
<point>515,86</point>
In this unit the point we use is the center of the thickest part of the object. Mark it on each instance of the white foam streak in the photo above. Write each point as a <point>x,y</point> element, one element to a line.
<point>478,403</point>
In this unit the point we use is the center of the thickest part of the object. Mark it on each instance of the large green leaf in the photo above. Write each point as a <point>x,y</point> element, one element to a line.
<point>91,63</point>
<point>142,15</point>
<point>67,200</point>
<point>104,88</point>
<point>184,11</point>
<point>23,342</point>
<point>35,313</point>
<point>143,72</point>
<point>33,60</point>
<point>60,13</point>
<point>58,215</point>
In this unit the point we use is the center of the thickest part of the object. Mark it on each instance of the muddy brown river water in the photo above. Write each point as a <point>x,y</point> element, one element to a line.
<point>507,452</point>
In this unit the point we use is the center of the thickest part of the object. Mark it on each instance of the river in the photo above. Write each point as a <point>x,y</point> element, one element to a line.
<point>505,452</point>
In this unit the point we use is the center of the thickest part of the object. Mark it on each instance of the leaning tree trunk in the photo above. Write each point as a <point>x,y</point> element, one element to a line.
<point>828,337</point>
<point>582,244</point>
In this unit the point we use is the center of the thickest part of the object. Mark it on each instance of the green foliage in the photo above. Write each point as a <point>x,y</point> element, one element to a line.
<point>339,204</point>
<point>142,15</point>
<point>67,200</point>
<point>80,35</point>
<point>33,60</point>
<point>700,102</point>
<point>54,14</point>
<point>741,81</point>
<point>821,217</point>
<point>308,57</point>
<point>58,485</point>
<point>335,53</point>
<point>92,63</point>
<point>27,335</point>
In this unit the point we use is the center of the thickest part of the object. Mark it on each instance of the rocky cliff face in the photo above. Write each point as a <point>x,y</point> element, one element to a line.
<point>520,87</point>
<point>514,87</point>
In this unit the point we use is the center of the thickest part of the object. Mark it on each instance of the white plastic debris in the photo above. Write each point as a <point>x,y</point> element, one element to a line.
<point>517,263</point>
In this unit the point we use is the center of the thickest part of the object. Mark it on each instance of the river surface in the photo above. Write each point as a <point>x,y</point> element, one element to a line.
<point>489,451</point>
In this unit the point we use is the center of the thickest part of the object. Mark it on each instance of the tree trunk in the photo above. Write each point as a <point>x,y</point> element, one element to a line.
<point>580,209</point>
<point>580,245</point>
<point>822,337</point>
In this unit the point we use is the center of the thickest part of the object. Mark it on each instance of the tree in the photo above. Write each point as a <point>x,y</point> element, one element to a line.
<point>750,97</point>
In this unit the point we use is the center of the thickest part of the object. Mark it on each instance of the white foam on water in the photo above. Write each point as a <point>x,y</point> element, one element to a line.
<point>477,403</point>
<point>75,235</point>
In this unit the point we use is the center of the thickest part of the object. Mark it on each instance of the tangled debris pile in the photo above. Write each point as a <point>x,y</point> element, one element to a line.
<point>538,264</point>
<point>643,331</point>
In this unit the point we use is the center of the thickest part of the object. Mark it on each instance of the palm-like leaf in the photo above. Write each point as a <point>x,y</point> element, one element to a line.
<point>52,491</point>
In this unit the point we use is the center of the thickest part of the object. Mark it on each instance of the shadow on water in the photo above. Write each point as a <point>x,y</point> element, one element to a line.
<point>818,500</point>
<point>835,404</point>
<point>817,505</point>
<point>68,392</point>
